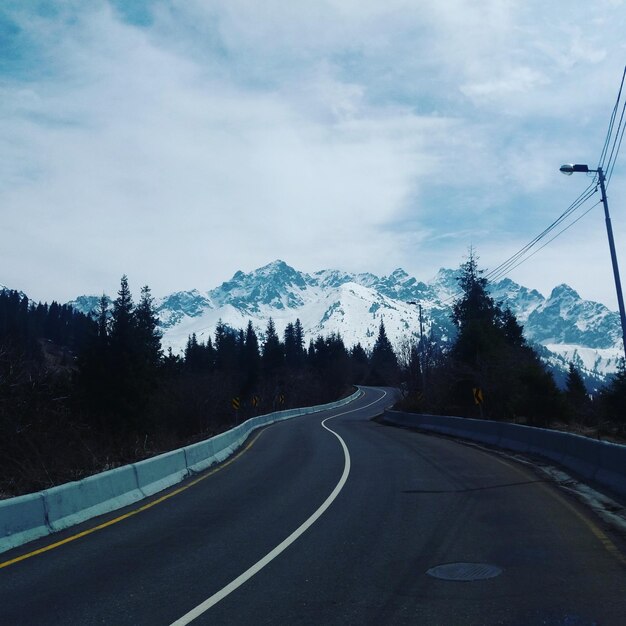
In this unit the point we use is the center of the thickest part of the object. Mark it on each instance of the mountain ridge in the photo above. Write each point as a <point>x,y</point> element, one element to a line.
<point>332,300</point>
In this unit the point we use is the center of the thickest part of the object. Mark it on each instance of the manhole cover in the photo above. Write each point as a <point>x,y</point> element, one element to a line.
<point>464,571</point>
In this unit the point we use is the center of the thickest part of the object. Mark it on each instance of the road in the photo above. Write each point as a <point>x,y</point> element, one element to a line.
<point>333,521</point>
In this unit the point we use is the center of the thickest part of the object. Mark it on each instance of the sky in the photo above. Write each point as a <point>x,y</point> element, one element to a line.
<point>178,141</point>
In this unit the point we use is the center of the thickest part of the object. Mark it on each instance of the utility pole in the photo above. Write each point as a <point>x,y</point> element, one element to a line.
<point>422,360</point>
<point>421,348</point>
<point>568,169</point>
<point>609,232</point>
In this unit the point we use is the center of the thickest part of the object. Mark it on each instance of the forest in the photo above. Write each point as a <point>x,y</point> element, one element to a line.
<point>81,394</point>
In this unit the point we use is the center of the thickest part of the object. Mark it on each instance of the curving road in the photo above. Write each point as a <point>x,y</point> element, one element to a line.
<point>333,518</point>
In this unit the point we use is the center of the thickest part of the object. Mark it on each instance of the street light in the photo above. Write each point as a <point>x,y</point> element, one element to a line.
<point>568,170</point>
<point>421,349</point>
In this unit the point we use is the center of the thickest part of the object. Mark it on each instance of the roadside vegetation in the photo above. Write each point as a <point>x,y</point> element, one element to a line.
<point>490,354</point>
<point>79,395</point>
<point>82,394</point>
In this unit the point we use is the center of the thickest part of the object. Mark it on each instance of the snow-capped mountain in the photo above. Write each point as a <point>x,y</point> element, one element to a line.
<point>569,328</point>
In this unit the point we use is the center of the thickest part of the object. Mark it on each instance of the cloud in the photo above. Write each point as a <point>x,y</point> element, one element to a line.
<point>185,140</point>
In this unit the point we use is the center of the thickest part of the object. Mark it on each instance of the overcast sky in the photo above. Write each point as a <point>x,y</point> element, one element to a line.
<point>178,141</point>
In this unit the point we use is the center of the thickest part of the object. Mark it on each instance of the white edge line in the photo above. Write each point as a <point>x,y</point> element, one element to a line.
<point>270,556</point>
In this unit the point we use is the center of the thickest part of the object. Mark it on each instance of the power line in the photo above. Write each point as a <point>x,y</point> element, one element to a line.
<point>613,156</point>
<point>504,267</point>
<point>495,278</point>
<point>609,165</point>
<point>555,236</point>
<point>524,253</point>
<point>611,123</point>
<point>619,145</point>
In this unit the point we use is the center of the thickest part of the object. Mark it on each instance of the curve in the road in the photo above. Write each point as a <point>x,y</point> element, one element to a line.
<point>281,547</point>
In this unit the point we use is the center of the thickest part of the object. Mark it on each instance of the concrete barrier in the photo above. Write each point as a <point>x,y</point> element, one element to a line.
<point>513,437</point>
<point>160,472</point>
<point>612,470</point>
<point>22,519</point>
<point>75,502</point>
<point>31,516</point>
<point>200,455</point>
<point>600,461</point>
<point>81,500</point>
<point>584,455</point>
<point>547,443</point>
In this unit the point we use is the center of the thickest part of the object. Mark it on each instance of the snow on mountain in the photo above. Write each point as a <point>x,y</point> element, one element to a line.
<point>353,305</point>
<point>87,304</point>
<point>521,300</point>
<point>564,318</point>
<point>181,304</point>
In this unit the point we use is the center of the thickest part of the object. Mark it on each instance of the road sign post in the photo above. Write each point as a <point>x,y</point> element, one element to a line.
<point>236,404</point>
<point>478,399</point>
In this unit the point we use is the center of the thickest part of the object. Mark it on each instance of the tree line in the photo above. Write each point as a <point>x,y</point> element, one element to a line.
<point>490,354</point>
<point>79,394</point>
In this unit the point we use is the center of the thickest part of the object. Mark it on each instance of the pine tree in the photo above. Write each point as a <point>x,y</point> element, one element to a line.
<point>131,379</point>
<point>226,353</point>
<point>384,363</point>
<point>491,353</point>
<point>251,357</point>
<point>293,341</point>
<point>122,321</point>
<point>613,398</point>
<point>102,318</point>
<point>575,386</point>
<point>147,328</point>
<point>475,315</point>
<point>299,334</point>
<point>273,353</point>
<point>578,402</point>
<point>192,362</point>
<point>359,364</point>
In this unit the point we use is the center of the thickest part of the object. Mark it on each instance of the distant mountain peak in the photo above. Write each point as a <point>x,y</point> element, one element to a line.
<point>333,300</point>
<point>275,266</point>
<point>399,274</point>
<point>562,291</point>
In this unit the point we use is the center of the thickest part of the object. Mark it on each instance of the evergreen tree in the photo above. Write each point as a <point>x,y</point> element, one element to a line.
<point>198,357</point>
<point>123,377</point>
<point>193,360</point>
<point>613,398</point>
<point>102,318</point>
<point>273,353</point>
<point>294,352</point>
<point>209,352</point>
<point>251,358</point>
<point>575,386</point>
<point>299,340</point>
<point>491,353</point>
<point>226,351</point>
<point>475,315</point>
<point>513,331</point>
<point>147,328</point>
<point>122,322</point>
<point>294,345</point>
<point>578,402</point>
<point>359,364</point>
<point>384,363</point>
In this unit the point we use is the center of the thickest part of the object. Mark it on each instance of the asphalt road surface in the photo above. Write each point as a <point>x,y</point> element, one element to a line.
<point>334,518</point>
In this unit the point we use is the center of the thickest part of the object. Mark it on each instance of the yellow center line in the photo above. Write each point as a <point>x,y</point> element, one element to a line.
<point>144,507</point>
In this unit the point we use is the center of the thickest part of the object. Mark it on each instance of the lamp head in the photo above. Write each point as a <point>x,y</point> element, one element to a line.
<point>570,168</point>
